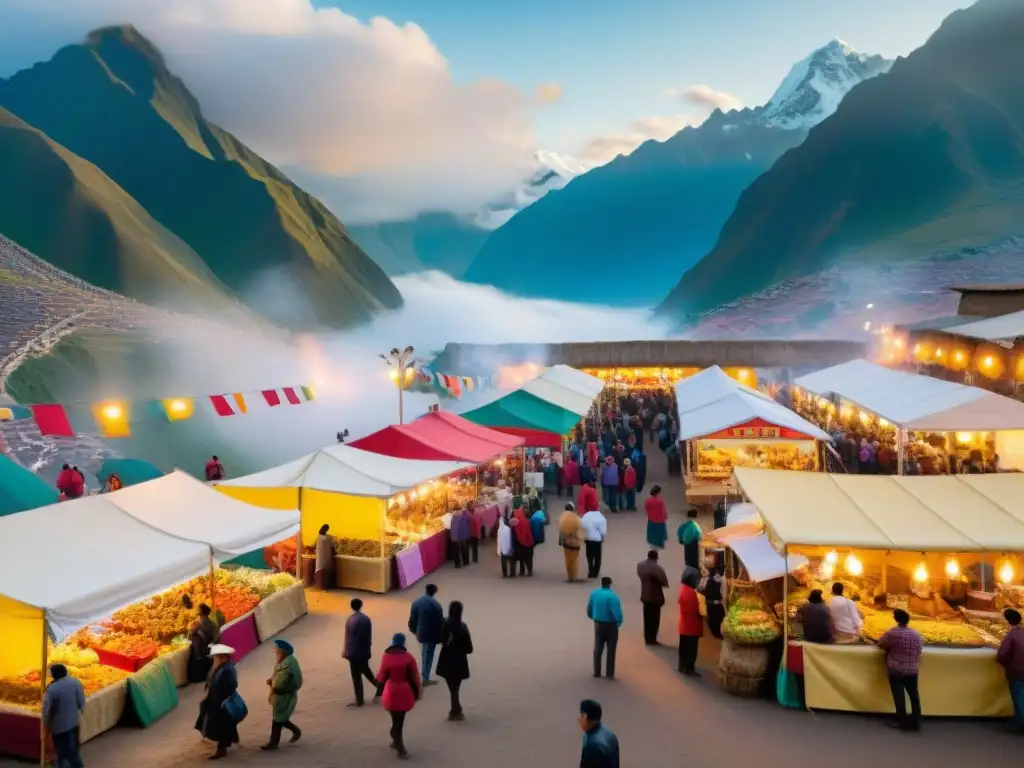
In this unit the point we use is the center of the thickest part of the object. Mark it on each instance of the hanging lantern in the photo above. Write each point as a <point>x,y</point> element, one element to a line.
<point>853,566</point>
<point>1006,573</point>
<point>952,568</point>
<point>921,572</point>
<point>832,558</point>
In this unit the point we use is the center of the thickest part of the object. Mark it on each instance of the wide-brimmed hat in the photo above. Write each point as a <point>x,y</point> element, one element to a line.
<point>218,649</point>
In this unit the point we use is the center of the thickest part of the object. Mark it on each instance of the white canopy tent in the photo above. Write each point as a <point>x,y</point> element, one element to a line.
<point>1002,328</point>
<point>79,561</point>
<point>183,506</point>
<point>577,381</point>
<point>711,401</point>
<point>347,470</point>
<point>918,403</point>
<point>760,558</point>
<point>556,394</point>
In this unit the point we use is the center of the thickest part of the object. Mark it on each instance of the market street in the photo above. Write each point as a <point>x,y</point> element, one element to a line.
<point>531,667</point>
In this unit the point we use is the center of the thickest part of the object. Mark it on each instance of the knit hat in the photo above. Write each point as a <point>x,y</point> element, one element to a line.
<point>398,639</point>
<point>285,646</point>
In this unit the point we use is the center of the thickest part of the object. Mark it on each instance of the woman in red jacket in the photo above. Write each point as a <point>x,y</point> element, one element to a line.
<point>400,677</point>
<point>657,518</point>
<point>524,542</point>
<point>570,476</point>
<point>629,486</point>
<point>691,625</point>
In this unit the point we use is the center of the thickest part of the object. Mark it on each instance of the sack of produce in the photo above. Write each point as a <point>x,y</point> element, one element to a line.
<point>742,668</point>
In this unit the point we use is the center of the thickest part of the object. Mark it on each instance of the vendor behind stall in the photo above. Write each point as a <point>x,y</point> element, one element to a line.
<point>324,570</point>
<point>202,635</point>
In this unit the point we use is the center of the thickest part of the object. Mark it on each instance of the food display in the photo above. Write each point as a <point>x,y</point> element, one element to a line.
<point>144,631</point>
<point>748,622</point>
<point>410,518</point>
<point>717,458</point>
<point>948,633</point>
<point>367,547</point>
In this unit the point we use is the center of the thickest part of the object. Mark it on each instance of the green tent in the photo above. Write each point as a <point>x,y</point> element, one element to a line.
<point>130,471</point>
<point>21,490</point>
<point>521,410</point>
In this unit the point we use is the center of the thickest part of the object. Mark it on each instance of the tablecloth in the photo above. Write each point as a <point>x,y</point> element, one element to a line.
<point>241,635</point>
<point>280,610</point>
<point>953,682</point>
<point>410,566</point>
<point>434,551</point>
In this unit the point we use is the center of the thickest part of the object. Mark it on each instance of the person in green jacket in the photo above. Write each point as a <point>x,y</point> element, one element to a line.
<point>284,694</point>
<point>689,535</point>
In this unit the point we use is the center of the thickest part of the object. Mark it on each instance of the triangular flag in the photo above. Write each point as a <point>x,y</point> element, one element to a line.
<point>112,418</point>
<point>52,420</point>
<point>221,405</point>
<point>456,388</point>
<point>468,381</point>
<point>271,396</point>
<point>308,393</point>
<point>178,408</point>
<point>240,402</point>
<point>290,396</point>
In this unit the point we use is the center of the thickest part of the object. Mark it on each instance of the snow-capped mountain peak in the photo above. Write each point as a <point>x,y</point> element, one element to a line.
<point>814,87</point>
<point>551,171</point>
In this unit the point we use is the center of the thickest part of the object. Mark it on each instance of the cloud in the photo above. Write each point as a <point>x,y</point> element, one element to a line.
<point>602,149</point>
<point>371,106</point>
<point>547,93</point>
<point>705,96</point>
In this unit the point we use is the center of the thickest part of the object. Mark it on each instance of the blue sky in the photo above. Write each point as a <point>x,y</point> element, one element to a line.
<point>614,60</point>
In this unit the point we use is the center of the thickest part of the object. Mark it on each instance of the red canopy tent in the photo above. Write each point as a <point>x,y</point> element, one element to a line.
<point>439,437</point>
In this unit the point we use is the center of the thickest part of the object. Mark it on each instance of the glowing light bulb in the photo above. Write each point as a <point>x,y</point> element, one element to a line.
<point>921,572</point>
<point>1006,573</point>
<point>964,438</point>
<point>744,374</point>
<point>869,306</point>
<point>988,361</point>
<point>412,495</point>
<point>826,570</point>
<point>393,373</point>
<point>832,557</point>
<point>177,406</point>
<point>113,412</point>
<point>867,325</point>
<point>952,568</point>
<point>938,352</point>
<point>959,356</point>
<point>853,566</point>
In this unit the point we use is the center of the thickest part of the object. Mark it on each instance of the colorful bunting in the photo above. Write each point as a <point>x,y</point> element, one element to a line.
<point>178,408</point>
<point>240,402</point>
<point>291,397</point>
<point>221,406</point>
<point>112,419</point>
<point>52,420</point>
<point>14,413</point>
<point>308,393</point>
<point>271,396</point>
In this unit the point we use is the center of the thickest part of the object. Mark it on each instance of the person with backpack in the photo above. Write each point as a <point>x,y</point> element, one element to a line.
<point>284,695</point>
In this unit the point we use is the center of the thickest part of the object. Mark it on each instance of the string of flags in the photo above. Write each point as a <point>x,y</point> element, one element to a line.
<point>115,417</point>
<point>449,384</point>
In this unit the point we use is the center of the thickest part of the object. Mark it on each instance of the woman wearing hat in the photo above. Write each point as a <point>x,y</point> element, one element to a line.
<point>214,722</point>
<point>400,677</point>
<point>284,694</point>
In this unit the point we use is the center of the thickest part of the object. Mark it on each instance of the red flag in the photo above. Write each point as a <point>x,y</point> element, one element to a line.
<point>221,405</point>
<point>271,396</point>
<point>290,396</point>
<point>52,420</point>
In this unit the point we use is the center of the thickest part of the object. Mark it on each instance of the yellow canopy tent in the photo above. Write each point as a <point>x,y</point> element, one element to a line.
<point>340,486</point>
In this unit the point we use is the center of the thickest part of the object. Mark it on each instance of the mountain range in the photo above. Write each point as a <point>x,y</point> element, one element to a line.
<point>620,233</point>
<point>109,170</point>
<point>448,242</point>
<point>928,156</point>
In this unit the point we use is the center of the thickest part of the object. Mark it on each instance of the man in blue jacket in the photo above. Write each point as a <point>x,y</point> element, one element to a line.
<point>600,745</point>
<point>605,609</point>
<point>425,619</point>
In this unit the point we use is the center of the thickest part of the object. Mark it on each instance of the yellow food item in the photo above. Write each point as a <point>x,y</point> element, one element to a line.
<point>932,632</point>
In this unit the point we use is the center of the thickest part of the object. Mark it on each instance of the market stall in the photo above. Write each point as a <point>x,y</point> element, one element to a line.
<point>21,490</point>
<point>726,424</point>
<point>926,425</point>
<point>543,409</point>
<point>946,549</point>
<point>375,505</point>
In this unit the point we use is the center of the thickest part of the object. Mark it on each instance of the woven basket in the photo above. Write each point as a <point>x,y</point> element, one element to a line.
<point>745,687</point>
<point>743,661</point>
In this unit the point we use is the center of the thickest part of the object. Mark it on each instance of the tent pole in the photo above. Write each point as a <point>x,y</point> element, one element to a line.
<point>298,543</point>
<point>900,448</point>
<point>785,606</point>
<point>42,694</point>
<point>213,584</point>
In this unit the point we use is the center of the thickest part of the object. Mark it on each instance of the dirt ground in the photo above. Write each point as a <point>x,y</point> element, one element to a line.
<point>531,667</point>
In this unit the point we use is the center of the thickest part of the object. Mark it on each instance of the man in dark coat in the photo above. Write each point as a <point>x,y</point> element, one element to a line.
<point>600,746</point>
<point>426,617</point>
<point>653,583</point>
<point>358,651</point>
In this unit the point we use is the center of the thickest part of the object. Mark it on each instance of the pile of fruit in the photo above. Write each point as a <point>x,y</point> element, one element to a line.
<point>367,548</point>
<point>261,583</point>
<point>23,691</point>
<point>165,616</point>
<point>748,622</point>
<point>134,646</point>
<point>949,633</point>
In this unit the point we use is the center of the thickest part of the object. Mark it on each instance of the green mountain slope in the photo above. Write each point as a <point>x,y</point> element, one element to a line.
<point>930,155</point>
<point>102,231</point>
<point>113,102</point>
